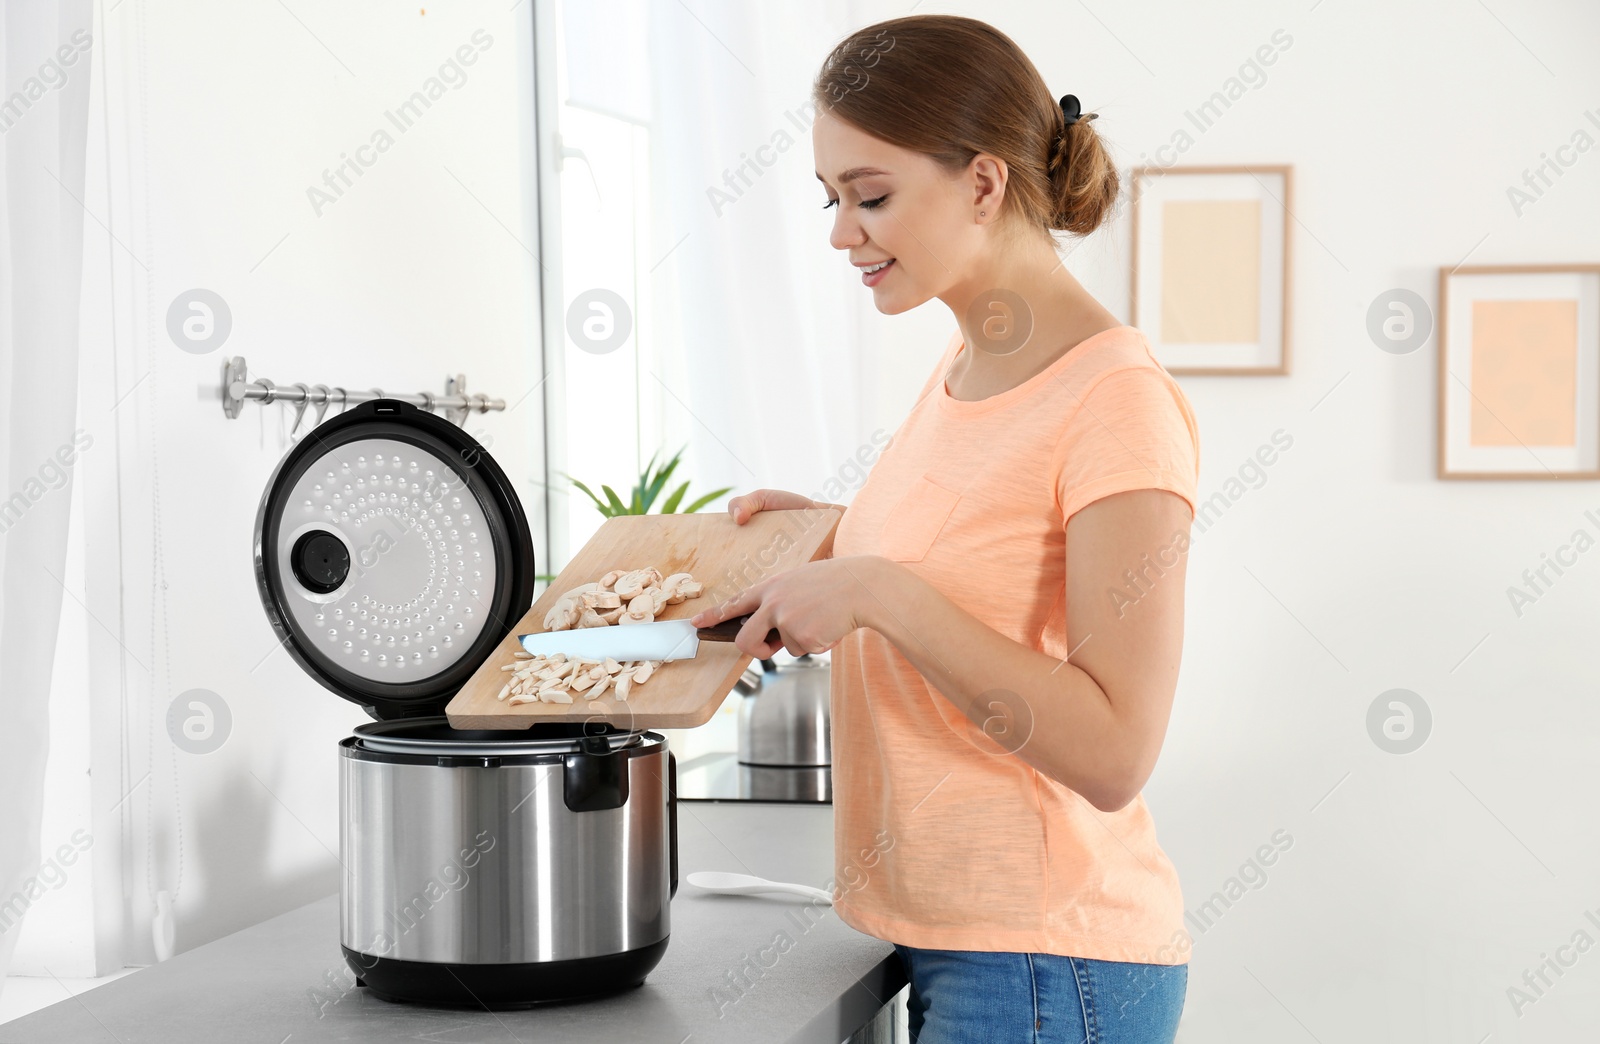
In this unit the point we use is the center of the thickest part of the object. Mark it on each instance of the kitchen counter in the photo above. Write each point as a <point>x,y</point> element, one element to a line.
<point>284,979</point>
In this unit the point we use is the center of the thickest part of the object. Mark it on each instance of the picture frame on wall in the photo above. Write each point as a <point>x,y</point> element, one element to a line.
<point>1519,372</point>
<point>1210,257</point>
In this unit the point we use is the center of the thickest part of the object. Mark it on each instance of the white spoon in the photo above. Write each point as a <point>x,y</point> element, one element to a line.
<point>745,884</point>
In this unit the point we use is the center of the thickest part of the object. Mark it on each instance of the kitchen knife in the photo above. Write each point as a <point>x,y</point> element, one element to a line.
<point>661,640</point>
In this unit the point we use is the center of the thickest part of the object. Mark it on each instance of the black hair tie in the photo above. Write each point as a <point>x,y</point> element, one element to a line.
<point>1071,110</point>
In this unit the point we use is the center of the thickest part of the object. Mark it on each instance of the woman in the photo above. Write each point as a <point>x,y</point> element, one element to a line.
<point>1004,597</point>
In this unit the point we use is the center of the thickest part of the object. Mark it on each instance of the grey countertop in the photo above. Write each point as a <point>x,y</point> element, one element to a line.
<point>284,979</point>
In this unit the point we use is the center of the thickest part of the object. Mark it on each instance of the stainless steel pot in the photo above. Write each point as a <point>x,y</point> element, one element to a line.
<point>783,720</point>
<point>785,735</point>
<point>481,868</point>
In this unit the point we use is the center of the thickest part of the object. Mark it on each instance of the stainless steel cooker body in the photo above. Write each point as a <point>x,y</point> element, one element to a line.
<point>531,870</point>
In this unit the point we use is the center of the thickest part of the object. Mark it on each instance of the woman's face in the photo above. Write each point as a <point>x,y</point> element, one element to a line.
<point>891,204</point>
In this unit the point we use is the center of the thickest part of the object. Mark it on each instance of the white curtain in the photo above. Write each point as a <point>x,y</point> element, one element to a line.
<point>44,48</point>
<point>756,314</point>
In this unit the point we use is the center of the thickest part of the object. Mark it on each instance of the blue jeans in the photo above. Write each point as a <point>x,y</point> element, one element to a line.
<point>977,997</point>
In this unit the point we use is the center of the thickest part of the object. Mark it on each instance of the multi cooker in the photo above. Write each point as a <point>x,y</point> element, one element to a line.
<point>482,868</point>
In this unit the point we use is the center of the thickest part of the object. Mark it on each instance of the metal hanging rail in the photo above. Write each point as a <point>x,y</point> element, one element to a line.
<point>238,388</point>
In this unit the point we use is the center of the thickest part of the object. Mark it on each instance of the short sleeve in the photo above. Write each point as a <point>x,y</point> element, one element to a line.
<point>1133,429</point>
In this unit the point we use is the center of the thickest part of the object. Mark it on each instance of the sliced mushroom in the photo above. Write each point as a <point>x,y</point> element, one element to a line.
<point>621,596</point>
<point>602,599</point>
<point>562,615</point>
<point>630,584</point>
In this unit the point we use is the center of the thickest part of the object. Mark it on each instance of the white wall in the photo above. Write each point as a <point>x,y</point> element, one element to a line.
<point>221,118</point>
<point>1424,885</point>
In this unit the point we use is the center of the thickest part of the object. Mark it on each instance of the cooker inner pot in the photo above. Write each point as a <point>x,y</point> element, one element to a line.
<point>434,735</point>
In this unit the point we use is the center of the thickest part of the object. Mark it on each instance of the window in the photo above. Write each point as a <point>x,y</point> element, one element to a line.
<point>606,421</point>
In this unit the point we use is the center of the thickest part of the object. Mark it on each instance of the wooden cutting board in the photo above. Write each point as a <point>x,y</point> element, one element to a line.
<point>724,556</point>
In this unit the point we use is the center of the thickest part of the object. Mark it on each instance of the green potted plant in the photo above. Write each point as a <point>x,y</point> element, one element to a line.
<point>645,493</point>
<point>647,489</point>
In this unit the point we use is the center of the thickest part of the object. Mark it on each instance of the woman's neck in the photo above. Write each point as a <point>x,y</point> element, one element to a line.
<point>1018,316</point>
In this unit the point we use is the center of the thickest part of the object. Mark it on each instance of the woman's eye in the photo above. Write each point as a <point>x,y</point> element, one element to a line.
<point>869,204</point>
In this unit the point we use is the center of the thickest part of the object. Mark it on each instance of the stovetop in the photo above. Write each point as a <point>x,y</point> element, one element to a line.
<point>719,776</point>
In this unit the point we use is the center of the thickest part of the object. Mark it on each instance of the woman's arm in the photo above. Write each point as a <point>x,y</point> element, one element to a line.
<point>1096,721</point>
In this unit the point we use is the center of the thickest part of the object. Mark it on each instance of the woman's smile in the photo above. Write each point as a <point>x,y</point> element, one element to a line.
<point>872,275</point>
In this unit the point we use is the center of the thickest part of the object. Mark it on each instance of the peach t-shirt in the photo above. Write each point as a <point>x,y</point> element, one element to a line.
<point>943,839</point>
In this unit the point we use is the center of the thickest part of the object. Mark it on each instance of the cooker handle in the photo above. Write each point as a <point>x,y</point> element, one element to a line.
<point>672,821</point>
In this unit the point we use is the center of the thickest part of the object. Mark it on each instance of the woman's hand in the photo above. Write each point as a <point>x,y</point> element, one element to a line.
<point>747,505</point>
<point>812,606</point>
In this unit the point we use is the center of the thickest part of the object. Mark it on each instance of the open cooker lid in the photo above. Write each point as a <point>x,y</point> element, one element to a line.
<point>392,556</point>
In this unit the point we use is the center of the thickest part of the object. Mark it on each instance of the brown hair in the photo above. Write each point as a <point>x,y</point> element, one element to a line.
<point>951,87</point>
